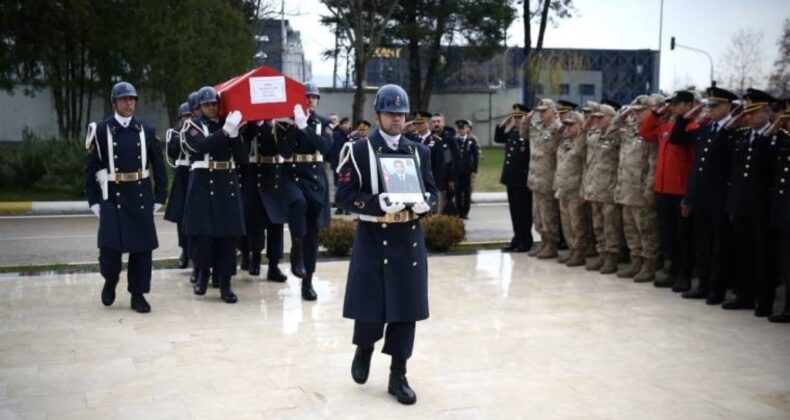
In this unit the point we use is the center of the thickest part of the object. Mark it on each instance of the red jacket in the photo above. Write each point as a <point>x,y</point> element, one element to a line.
<point>675,155</point>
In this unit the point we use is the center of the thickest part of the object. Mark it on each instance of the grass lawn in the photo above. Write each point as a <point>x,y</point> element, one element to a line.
<point>490,169</point>
<point>39,193</point>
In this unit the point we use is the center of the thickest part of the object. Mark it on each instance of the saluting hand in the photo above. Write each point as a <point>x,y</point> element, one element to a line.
<point>693,112</point>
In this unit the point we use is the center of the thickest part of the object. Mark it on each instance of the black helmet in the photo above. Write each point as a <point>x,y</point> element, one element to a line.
<point>183,109</point>
<point>391,98</point>
<point>207,94</point>
<point>121,89</point>
<point>192,100</point>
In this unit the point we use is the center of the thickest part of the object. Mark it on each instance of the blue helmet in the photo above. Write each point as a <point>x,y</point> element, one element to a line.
<point>192,100</point>
<point>391,98</point>
<point>310,88</point>
<point>121,89</point>
<point>183,109</point>
<point>207,94</point>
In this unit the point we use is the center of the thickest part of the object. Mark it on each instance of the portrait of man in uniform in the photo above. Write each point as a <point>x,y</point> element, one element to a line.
<point>400,178</point>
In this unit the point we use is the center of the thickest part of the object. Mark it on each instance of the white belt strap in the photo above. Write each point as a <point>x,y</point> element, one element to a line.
<point>182,162</point>
<point>204,164</point>
<point>143,149</point>
<point>110,153</point>
<point>374,169</point>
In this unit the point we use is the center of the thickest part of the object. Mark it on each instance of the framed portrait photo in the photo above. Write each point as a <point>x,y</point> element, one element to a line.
<point>402,180</point>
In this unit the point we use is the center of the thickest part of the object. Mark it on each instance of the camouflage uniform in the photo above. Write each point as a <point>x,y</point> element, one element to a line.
<point>567,186</point>
<point>598,186</point>
<point>543,142</point>
<point>634,191</point>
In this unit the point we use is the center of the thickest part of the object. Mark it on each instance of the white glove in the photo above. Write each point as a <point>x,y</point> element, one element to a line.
<point>157,206</point>
<point>390,208</point>
<point>232,124</point>
<point>300,118</point>
<point>420,207</point>
<point>96,209</point>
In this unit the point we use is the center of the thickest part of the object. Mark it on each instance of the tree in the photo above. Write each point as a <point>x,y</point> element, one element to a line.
<point>364,23</point>
<point>779,82</point>
<point>423,25</point>
<point>545,11</point>
<point>741,63</point>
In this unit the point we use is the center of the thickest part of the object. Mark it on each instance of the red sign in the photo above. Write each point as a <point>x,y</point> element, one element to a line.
<point>261,94</point>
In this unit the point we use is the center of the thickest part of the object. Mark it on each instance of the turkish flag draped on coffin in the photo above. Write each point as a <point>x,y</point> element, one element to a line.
<point>261,94</point>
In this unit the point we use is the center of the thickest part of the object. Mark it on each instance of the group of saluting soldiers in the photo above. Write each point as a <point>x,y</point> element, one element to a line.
<point>700,183</point>
<point>236,183</point>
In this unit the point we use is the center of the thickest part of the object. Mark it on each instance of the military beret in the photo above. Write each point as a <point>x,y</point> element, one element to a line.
<point>564,106</point>
<point>756,99</point>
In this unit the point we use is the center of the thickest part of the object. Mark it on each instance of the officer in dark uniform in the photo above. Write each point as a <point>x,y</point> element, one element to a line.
<point>388,273</point>
<point>313,141</point>
<point>706,195</point>
<point>468,158</point>
<point>271,199</point>
<point>450,156</point>
<point>214,220</point>
<point>121,151</point>
<point>178,158</point>
<point>514,177</point>
<point>418,130</point>
<point>780,211</point>
<point>748,202</point>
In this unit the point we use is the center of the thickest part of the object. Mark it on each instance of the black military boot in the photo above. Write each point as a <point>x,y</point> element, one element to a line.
<point>399,385</point>
<point>308,293</point>
<point>255,264</point>
<point>274,274</point>
<point>225,292</point>
<point>666,283</point>
<point>360,367</point>
<point>699,292</point>
<point>201,282</point>
<point>214,279</point>
<point>193,276</point>
<point>682,285</point>
<point>183,260</point>
<point>297,258</point>
<point>108,291</point>
<point>139,304</point>
<point>245,260</point>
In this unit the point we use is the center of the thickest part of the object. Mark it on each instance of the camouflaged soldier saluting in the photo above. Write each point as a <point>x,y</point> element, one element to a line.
<point>600,179</point>
<point>634,190</point>
<point>544,136</point>
<point>567,185</point>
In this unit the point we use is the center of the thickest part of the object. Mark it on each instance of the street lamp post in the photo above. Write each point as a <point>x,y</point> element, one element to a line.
<point>491,90</point>
<point>674,44</point>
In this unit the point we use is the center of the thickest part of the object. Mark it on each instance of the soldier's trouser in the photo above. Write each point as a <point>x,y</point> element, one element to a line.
<point>310,241</point>
<point>519,200</point>
<point>640,225</point>
<point>256,220</point>
<point>573,214</point>
<point>715,262</point>
<point>138,272</point>
<point>548,215</point>
<point>463,194</point>
<point>677,233</point>
<point>784,261</point>
<point>274,242</point>
<point>753,260</point>
<point>182,236</point>
<point>607,223</point>
<point>399,342</point>
<point>217,254</point>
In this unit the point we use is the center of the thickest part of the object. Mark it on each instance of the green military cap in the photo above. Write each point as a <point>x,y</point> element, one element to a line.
<point>520,109</point>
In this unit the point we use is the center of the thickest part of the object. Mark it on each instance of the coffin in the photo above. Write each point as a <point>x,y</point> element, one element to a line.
<point>261,94</point>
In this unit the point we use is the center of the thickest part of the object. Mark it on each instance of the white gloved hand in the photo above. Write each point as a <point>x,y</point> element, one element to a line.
<point>96,209</point>
<point>420,207</point>
<point>232,122</point>
<point>300,118</point>
<point>390,208</point>
<point>157,206</point>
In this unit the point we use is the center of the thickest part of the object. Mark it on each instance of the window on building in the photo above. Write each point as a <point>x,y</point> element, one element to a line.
<point>565,89</point>
<point>586,89</point>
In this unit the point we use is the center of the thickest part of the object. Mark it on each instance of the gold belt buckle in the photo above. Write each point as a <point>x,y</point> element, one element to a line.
<point>220,165</point>
<point>304,158</point>
<point>127,176</point>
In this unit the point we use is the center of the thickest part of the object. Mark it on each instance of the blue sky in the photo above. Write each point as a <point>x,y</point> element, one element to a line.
<point>613,24</point>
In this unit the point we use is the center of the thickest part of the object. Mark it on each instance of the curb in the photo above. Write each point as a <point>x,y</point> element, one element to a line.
<point>72,207</point>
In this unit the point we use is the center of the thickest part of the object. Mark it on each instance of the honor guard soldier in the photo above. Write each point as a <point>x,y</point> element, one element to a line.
<point>122,153</point>
<point>543,133</point>
<point>272,199</point>
<point>600,179</point>
<point>706,196</point>
<point>567,186</point>
<point>214,219</point>
<point>388,274</point>
<point>749,203</point>
<point>634,190</point>
<point>780,211</point>
<point>313,140</point>
<point>514,177</point>
<point>466,171</point>
<point>178,158</point>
